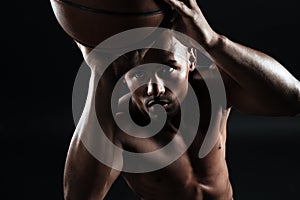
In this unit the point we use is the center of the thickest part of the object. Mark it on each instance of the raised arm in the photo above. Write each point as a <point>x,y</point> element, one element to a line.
<point>256,83</point>
<point>260,85</point>
<point>86,177</point>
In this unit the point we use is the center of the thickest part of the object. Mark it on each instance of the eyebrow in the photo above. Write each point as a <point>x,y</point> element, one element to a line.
<point>171,62</point>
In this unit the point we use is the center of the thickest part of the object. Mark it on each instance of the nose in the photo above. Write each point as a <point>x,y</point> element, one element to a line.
<point>155,89</point>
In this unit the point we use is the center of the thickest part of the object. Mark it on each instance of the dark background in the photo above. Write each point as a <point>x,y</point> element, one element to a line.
<point>39,66</point>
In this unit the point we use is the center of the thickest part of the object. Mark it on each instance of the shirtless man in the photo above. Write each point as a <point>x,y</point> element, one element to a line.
<point>254,82</point>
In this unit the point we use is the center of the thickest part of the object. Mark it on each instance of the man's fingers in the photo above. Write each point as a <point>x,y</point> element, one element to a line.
<point>180,7</point>
<point>193,3</point>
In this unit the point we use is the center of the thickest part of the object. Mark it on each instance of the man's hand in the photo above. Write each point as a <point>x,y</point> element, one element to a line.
<point>192,22</point>
<point>258,84</point>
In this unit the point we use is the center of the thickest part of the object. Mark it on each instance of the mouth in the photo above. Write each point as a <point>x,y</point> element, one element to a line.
<point>163,102</point>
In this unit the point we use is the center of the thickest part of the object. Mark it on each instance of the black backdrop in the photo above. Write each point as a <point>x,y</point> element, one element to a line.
<point>39,66</point>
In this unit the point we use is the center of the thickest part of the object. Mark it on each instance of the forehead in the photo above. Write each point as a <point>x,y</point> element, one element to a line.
<point>170,49</point>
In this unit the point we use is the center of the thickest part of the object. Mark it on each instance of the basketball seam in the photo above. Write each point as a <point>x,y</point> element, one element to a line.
<point>107,12</point>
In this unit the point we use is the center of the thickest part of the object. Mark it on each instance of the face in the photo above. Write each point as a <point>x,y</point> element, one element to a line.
<point>161,77</point>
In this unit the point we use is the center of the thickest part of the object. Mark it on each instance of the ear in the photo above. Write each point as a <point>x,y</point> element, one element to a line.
<point>192,58</point>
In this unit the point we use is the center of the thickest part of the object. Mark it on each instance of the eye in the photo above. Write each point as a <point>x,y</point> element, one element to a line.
<point>168,70</point>
<point>139,74</point>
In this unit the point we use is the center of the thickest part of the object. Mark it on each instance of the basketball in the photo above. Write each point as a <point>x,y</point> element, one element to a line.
<point>89,22</point>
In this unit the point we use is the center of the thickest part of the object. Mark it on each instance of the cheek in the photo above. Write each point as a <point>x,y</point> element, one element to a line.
<point>129,85</point>
<point>182,85</point>
<point>183,90</point>
<point>137,95</point>
<point>180,78</point>
<point>180,89</point>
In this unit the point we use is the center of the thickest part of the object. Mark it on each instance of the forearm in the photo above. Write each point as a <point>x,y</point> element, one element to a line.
<point>258,76</point>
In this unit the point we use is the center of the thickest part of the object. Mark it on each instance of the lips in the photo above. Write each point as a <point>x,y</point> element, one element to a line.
<point>161,101</point>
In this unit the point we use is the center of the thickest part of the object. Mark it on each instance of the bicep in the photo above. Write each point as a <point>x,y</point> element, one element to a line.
<point>258,102</point>
<point>237,97</point>
<point>85,177</point>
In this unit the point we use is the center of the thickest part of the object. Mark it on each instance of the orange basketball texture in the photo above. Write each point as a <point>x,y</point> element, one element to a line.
<point>89,22</point>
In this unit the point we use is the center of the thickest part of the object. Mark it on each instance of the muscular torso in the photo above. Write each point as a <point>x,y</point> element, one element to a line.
<point>188,177</point>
